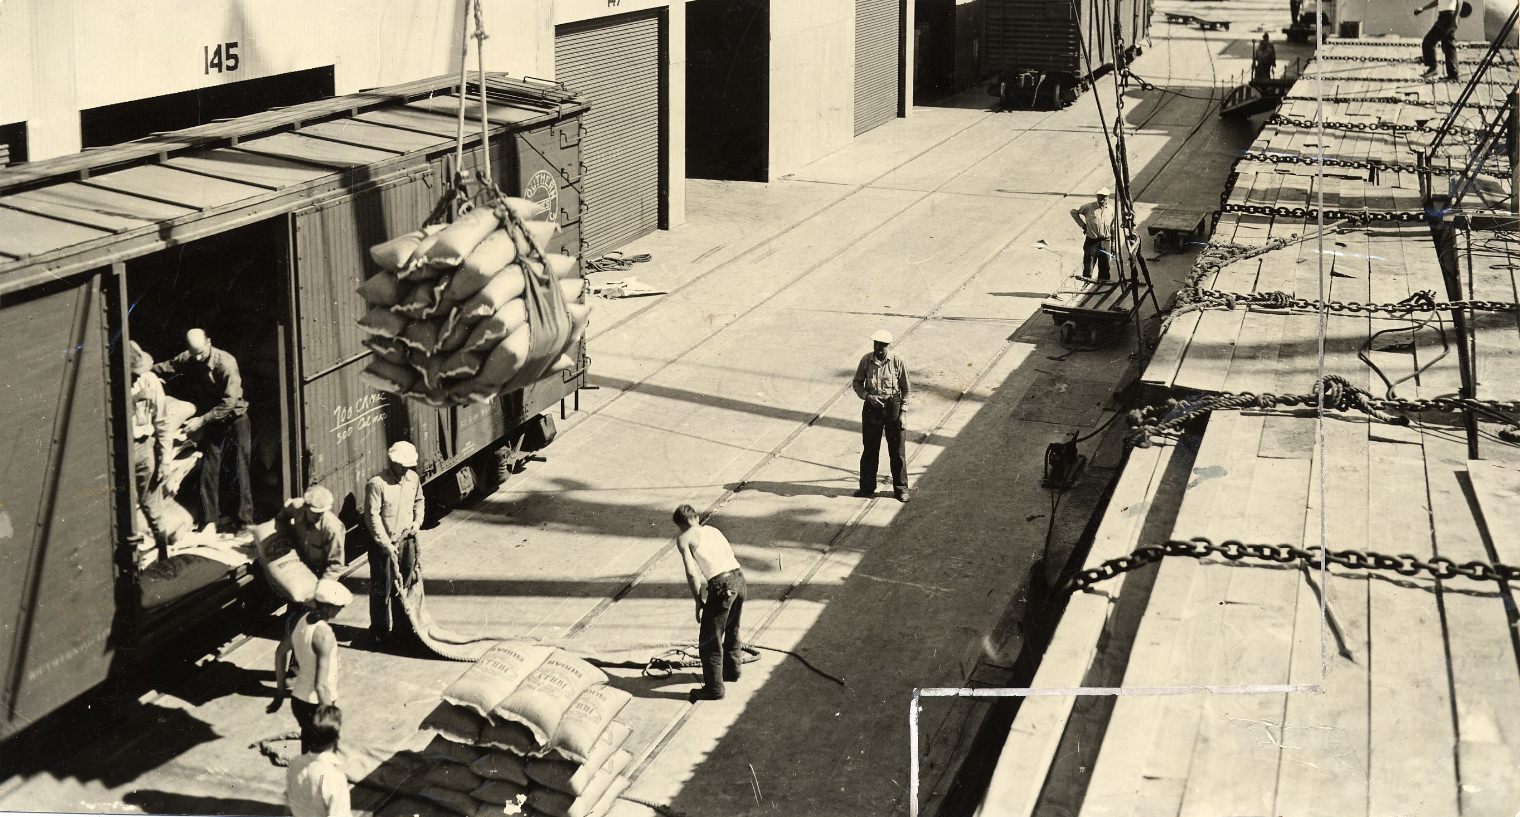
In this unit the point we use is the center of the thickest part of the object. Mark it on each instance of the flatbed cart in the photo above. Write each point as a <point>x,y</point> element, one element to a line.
<point>1092,313</point>
<point>1171,228</point>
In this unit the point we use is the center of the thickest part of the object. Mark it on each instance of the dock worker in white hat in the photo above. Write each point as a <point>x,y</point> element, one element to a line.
<point>311,681</point>
<point>308,526</point>
<point>1096,218</point>
<point>393,513</point>
<point>881,381</point>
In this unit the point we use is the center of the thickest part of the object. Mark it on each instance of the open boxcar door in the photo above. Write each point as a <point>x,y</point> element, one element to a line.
<point>57,548</point>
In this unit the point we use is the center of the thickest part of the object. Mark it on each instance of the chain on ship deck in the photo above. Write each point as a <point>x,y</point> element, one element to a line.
<point>1242,698</point>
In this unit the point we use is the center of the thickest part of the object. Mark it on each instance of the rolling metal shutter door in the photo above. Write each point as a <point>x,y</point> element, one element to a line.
<point>876,47</point>
<point>616,66</point>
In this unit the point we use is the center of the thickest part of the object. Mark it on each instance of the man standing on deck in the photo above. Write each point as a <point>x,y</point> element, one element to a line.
<point>881,381</point>
<point>717,586</point>
<point>208,377</point>
<point>393,512</point>
<point>1443,31</point>
<point>1263,60</point>
<point>1096,218</point>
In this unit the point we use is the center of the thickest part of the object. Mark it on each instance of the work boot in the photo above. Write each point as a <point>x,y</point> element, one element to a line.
<point>865,493</point>
<point>704,694</point>
<point>732,669</point>
<point>902,496</point>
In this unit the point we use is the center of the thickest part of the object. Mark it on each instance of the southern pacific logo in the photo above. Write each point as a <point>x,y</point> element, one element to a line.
<point>542,188</point>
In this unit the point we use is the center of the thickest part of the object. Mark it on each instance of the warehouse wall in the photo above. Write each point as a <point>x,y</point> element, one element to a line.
<point>812,105</point>
<point>71,55</point>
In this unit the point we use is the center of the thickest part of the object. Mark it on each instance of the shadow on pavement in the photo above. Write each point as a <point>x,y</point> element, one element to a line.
<point>163,802</point>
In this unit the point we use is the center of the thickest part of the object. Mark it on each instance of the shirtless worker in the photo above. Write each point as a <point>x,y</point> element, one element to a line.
<point>309,639</point>
<point>717,587</point>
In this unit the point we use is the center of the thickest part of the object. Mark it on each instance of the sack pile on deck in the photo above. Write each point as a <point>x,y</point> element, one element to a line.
<point>474,309</point>
<point>527,730</point>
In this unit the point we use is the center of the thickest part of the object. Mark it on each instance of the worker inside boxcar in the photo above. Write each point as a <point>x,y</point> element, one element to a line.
<point>152,441</point>
<point>208,377</point>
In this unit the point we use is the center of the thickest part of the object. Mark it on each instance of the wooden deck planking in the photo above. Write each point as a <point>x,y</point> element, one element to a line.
<point>1412,768</point>
<point>1418,256</point>
<point>1496,334</point>
<point>1325,741</point>
<point>1348,278</point>
<point>1235,759</point>
<point>1037,730</point>
<point>1207,359</point>
<point>1484,677</point>
<point>1389,283</point>
<point>1295,269</point>
<point>1152,736</point>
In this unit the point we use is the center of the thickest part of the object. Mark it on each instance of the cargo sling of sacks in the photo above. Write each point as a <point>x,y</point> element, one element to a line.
<point>462,312</point>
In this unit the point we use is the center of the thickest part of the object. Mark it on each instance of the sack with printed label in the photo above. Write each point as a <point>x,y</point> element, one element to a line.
<point>541,700</point>
<point>586,719</point>
<point>496,675</point>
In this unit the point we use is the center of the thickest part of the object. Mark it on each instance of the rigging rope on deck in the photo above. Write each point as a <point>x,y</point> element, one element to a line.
<point>1404,564</point>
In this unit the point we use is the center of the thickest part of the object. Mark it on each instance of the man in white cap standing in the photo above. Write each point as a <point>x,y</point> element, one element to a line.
<point>152,442</point>
<point>308,526</point>
<point>1096,218</point>
<point>393,512</point>
<point>881,381</point>
<point>310,640</point>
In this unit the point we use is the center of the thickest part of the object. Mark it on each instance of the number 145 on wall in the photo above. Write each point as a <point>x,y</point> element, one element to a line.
<point>220,57</point>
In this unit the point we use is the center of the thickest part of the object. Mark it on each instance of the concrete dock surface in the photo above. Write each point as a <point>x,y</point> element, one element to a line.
<point>731,392</point>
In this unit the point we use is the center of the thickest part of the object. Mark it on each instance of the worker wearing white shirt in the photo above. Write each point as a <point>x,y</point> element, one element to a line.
<point>315,783</point>
<point>1443,31</point>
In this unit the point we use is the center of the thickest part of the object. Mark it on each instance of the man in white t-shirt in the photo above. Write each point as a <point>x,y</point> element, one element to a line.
<point>1444,32</point>
<point>717,586</point>
<point>315,783</point>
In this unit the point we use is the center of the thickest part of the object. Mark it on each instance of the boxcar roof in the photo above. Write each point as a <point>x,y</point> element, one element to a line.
<point>82,211</point>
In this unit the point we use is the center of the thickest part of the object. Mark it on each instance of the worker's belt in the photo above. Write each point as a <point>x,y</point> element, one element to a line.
<point>725,574</point>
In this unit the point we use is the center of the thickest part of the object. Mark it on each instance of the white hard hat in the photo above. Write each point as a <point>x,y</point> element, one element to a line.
<point>881,336</point>
<point>1104,191</point>
<point>403,454</point>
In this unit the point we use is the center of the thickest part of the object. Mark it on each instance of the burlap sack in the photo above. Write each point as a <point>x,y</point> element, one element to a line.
<point>502,765</point>
<point>495,676</point>
<point>456,801</point>
<point>455,723</point>
<point>586,719</point>
<point>502,810</point>
<point>396,254</point>
<point>559,804</point>
<point>512,315</point>
<point>504,286</point>
<point>381,321</point>
<point>389,350</point>
<point>501,792</point>
<point>509,737</point>
<point>291,578</point>
<point>423,299</point>
<point>443,749</point>
<point>389,377</point>
<point>450,247</point>
<point>506,361</point>
<point>542,698</point>
<point>492,256</point>
<point>381,289</point>
<point>572,776</point>
<point>452,776</point>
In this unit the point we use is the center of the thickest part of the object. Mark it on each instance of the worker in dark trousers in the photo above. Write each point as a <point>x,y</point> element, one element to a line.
<point>881,381</point>
<point>1263,60</point>
<point>152,441</point>
<point>306,661</point>
<point>717,586</point>
<point>1294,7</point>
<point>1096,218</point>
<point>393,513</point>
<point>1443,31</point>
<point>308,526</point>
<point>208,377</point>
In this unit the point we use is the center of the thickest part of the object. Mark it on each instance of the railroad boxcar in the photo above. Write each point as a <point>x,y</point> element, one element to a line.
<point>256,230</point>
<point>1044,52</point>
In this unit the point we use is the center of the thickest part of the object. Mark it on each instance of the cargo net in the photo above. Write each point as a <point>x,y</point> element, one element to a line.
<point>460,313</point>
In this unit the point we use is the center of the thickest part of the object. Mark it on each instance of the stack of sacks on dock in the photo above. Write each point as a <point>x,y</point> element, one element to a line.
<point>474,309</point>
<point>527,730</point>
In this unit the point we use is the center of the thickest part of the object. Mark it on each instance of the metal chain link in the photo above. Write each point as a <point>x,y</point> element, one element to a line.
<point>1392,127</point>
<point>1404,564</point>
<point>1423,301</point>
